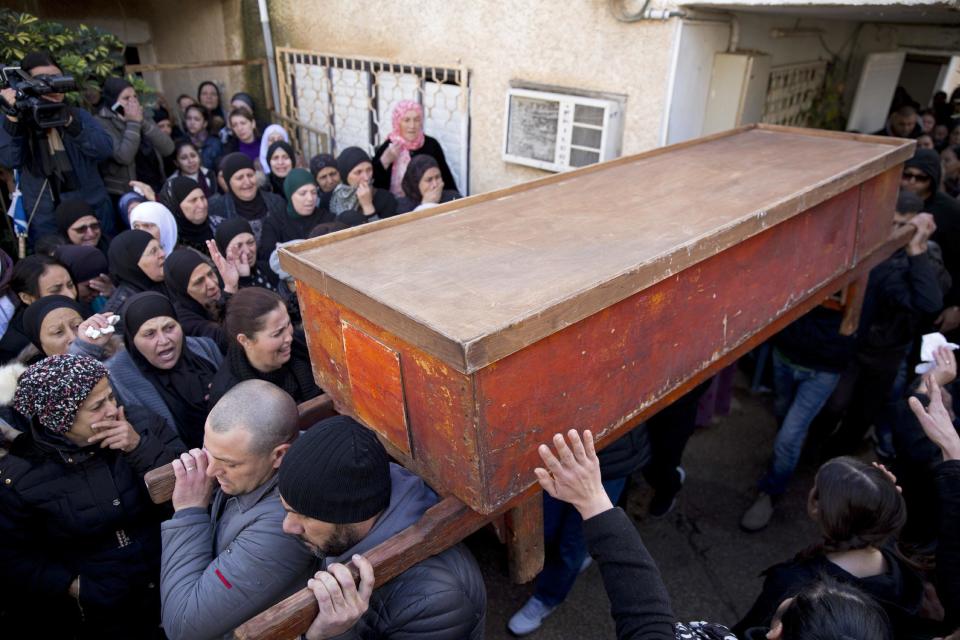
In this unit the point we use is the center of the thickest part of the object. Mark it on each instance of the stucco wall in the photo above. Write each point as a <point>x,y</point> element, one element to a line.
<point>575,44</point>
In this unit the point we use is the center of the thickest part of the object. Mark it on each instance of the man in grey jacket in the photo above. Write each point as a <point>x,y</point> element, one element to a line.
<point>221,567</point>
<point>343,497</point>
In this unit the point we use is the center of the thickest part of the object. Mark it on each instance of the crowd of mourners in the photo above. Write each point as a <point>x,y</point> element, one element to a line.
<point>152,323</point>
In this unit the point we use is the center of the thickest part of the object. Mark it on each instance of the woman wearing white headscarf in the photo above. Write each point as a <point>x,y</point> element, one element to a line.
<point>156,219</point>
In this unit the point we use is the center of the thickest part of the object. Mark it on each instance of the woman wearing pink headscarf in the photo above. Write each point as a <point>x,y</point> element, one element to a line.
<point>405,141</point>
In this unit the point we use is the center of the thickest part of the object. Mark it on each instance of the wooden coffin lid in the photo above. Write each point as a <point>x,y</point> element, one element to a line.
<point>475,280</point>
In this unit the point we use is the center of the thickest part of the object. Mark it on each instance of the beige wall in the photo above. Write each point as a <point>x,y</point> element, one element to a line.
<point>576,44</point>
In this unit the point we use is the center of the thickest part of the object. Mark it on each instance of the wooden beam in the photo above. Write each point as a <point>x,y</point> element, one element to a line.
<point>440,527</point>
<point>524,533</point>
<point>160,481</point>
<point>176,66</point>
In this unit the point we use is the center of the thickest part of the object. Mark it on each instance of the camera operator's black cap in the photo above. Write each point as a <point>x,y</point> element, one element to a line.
<point>36,59</point>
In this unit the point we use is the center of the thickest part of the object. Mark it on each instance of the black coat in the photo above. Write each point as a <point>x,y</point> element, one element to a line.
<point>899,592</point>
<point>68,512</point>
<point>282,227</point>
<point>948,550</point>
<point>381,175</point>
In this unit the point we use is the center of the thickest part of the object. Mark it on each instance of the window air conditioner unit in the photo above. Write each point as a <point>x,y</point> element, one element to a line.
<point>558,132</point>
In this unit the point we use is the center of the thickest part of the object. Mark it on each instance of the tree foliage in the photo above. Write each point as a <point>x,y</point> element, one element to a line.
<point>89,54</point>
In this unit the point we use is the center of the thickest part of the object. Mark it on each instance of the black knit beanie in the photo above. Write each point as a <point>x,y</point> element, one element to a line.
<point>336,472</point>
<point>350,158</point>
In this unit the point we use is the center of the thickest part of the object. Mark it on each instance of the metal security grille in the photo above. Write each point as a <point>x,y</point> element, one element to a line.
<point>791,92</point>
<point>333,102</point>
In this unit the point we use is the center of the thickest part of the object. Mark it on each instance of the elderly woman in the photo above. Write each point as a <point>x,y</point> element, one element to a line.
<point>78,223</point>
<point>51,324</point>
<point>303,214</point>
<point>156,219</point>
<point>190,208</point>
<point>423,186</point>
<point>79,537</point>
<point>406,141</point>
<point>136,263</point>
<point>197,295</point>
<point>161,369</point>
<point>234,253</point>
<point>264,346</point>
<point>244,199</point>
<point>356,200</point>
<point>323,166</point>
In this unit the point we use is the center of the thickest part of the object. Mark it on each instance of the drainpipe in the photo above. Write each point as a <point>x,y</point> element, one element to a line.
<point>271,56</point>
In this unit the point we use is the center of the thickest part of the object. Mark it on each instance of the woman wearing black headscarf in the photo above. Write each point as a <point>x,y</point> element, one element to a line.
<point>136,263</point>
<point>161,369</point>
<point>186,201</point>
<point>423,186</point>
<point>302,215</point>
<point>51,324</point>
<point>355,200</point>
<point>244,198</point>
<point>235,250</point>
<point>87,267</point>
<point>139,145</point>
<point>197,296</point>
<point>79,224</point>
<point>281,159</point>
<point>264,346</point>
<point>79,537</point>
<point>323,167</point>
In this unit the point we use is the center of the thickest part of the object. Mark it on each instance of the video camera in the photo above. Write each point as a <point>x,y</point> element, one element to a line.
<point>29,107</point>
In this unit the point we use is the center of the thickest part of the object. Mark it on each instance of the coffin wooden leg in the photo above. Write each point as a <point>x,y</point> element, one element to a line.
<point>524,524</point>
<point>853,304</point>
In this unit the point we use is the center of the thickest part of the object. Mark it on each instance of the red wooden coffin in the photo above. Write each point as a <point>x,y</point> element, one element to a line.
<point>467,334</point>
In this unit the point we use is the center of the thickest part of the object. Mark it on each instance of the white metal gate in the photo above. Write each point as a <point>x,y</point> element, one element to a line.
<point>349,100</point>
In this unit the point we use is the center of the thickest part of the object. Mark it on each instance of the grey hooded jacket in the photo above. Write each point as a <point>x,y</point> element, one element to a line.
<point>218,571</point>
<point>441,598</point>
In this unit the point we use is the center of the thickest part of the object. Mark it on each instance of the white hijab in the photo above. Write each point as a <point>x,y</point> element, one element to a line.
<point>156,213</point>
<point>265,145</point>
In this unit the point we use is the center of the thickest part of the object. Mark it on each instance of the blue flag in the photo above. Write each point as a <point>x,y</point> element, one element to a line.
<point>16,210</point>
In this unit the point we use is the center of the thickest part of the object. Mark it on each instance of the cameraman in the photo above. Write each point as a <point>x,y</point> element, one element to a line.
<point>56,164</point>
<point>139,145</point>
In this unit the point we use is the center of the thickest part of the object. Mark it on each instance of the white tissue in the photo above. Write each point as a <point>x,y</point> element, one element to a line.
<point>93,333</point>
<point>930,343</point>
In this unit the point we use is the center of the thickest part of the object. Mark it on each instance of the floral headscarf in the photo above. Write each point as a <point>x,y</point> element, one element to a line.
<point>400,164</point>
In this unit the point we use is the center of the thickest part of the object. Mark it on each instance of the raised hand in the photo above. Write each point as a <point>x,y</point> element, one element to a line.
<point>229,272</point>
<point>573,474</point>
<point>936,421</point>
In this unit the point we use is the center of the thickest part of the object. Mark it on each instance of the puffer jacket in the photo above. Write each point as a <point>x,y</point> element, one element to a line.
<point>121,168</point>
<point>440,598</point>
<point>67,511</point>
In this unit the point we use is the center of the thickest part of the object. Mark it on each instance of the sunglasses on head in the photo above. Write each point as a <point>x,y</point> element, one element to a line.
<point>93,226</point>
<point>916,177</point>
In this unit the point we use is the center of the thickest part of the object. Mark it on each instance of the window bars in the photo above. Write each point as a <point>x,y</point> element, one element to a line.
<point>332,102</point>
<point>791,92</point>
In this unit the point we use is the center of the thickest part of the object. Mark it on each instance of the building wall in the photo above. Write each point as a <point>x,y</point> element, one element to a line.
<point>575,44</point>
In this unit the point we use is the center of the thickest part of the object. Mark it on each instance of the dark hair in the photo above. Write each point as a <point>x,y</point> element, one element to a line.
<point>38,59</point>
<point>182,96</point>
<point>246,311</point>
<point>418,167</point>
<point>829,609</point>
<point>215,88</point>
<point>908,202</point>
<point>324,228</point>
<point>203,112</point>
<point>27,273</point>
<point>858,506</point>
<point>48,243</point>
<point>242,111</point>
<point>180,144</point>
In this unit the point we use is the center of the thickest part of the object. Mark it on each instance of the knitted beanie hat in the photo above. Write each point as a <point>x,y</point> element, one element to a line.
<point>350,158</point>
<point>53,389</point>
<point>336,472</point>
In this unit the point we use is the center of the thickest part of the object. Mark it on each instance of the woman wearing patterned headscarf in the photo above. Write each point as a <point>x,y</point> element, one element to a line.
<point>406,141</point>
<point>79,537</point>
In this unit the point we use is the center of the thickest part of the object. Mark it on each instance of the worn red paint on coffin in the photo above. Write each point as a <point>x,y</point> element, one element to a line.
<point>225,582</point>
<point>481,431</point>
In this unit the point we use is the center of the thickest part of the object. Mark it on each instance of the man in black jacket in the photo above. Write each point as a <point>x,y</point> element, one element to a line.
<point>343,497</point>
<point>921,176</point>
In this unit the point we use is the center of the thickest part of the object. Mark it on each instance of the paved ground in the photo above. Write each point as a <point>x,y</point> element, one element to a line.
<point>710,566</point>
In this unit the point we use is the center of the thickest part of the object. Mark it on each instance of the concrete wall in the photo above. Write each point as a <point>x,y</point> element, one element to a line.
<point>575,44</point>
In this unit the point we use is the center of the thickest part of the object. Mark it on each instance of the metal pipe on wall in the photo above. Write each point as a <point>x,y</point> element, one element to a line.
<point>271,54</point>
